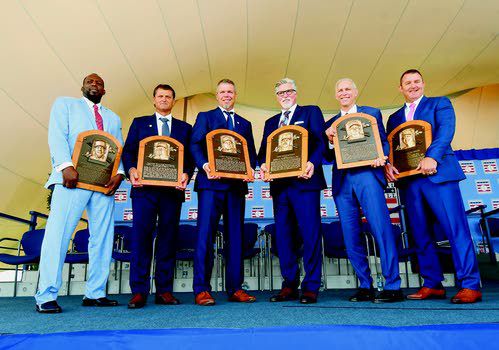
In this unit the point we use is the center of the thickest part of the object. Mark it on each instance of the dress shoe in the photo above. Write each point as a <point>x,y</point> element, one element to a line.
<point>308,298</point>
<point>427,293</point>
<point>205,299</point>
<point>50,307</point>
<point>467,296</point>
<point>166,298</point>
<point>363,294</point>
<point>240,296</point>
<point>138,301</point>
<point>286,294</point>
<point>389,296</point>
<point>99,302</point>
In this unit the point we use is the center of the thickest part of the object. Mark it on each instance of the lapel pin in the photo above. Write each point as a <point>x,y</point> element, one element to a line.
<point>150,125</point>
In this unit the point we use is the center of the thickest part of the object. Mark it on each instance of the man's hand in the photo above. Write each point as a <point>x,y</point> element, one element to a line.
<point>390,172</point>
<point>330,133</point>
<point>184,179</point>
<point>252,178</point>
<point>379,162</point>
<point>428,166</point>
<point>264,172</point>
<point>113,184</point>
<point>69,177</point>
<point>206,168</point>
<point>309,171</point>
<point>134,177</point>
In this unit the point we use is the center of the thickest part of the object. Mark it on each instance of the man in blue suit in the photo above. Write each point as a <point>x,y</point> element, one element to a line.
<point>435,191</point>
<point>297,199</point>
<point>153,204</point>
<point>68,118</point>
<point>220,196</point>
<point>364,187</point>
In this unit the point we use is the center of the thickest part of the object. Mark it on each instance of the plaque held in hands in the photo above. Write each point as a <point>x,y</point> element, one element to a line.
<point>408,144</point>
<point>357,142</point>
<point>287,152</point>
<point>96,158</point>
<point>160,161</point>
<point>228,155</point>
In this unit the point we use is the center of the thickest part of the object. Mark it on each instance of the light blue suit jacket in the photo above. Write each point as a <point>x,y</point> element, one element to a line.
<point>69,117</point>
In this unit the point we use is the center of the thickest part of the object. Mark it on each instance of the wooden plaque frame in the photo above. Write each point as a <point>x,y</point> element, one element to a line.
<point>375,134</point>
<point>211,156</point>
<point>304,152</point>
<point>142,155</point>
<point>77,153</point>
<point>428,138</point>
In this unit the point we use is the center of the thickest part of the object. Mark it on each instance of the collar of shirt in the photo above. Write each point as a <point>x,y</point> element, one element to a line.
<point>169,117</point>
<point>350,111</point>
<point>225,115</point>
<point>407,104</point>
<point>91,105</point>
<point>290,116</point>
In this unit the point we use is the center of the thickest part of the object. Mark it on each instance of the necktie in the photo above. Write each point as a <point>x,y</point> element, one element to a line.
<point>98,118</point>
<point>284,120</point>
<point>230,124</point>
<point>165,130</point>
<point>410,115</point>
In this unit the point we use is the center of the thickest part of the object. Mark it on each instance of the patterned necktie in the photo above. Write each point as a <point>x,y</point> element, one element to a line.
<point>284,120</point>
<point>165,130</point>
<point>410,115</point>
<point>230,124</point>
<point>98,118</point>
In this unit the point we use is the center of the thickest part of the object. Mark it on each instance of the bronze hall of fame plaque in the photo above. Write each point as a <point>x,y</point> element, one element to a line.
<point>357,142</point>
<point>96,157</point>
<point>160,161</point>
<point>287,152</point>
<point>408,144</point>
<point>228,155</point>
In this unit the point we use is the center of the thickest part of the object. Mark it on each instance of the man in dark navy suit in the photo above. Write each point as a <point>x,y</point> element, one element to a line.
<point>218,196</point>
<point>364,187</point>
<point>297,199</point>
<point>153,204</point>
<point>435,191</point>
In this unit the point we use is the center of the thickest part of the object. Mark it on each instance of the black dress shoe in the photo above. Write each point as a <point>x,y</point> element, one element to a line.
<point>166,298</point>
<point>138,301</point>
<point>99,302</point>
<point>308,298</point>
<point>286,294</point>
<point>389,296</point>
<point>363,294</point>
<point>50,307</point>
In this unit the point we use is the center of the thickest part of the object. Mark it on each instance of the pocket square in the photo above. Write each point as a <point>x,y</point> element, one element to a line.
<point>299,122</point>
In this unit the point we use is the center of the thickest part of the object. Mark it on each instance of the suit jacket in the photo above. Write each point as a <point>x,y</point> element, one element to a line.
<point>310,118</point>
<point>437,111</point>
<point>209,121</point>
<point>69,117</point>
<point>146,126</point>
<point>338,174</point>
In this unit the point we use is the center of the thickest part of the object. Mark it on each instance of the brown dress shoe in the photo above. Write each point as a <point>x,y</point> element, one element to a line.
<point>427,293</point>
<point>286,294</point>
<point>138,301</point>
<point>241,296</point>
<point>166,298</point>
<point>467,296</point>
<point>308,298</point>
<point>205,299</point>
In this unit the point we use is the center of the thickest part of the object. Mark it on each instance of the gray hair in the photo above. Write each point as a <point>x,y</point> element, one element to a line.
<point>285,81</point>
<point>342,80</point>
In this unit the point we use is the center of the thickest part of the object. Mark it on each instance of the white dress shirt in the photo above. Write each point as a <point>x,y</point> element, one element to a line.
<point>160,123</point>
<point>290,116</point>
<point>407,104</point>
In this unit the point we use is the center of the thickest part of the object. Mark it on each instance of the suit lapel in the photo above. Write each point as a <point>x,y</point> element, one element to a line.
<point>420,109</point>
<point>88,113</point>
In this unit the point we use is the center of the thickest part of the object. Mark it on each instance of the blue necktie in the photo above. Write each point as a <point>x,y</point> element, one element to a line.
<point>165,130</point>
<point>284,120</point>
<point>230,124</point>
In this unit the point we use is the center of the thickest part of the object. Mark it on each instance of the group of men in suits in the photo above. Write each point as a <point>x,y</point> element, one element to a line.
<point>296,201</point>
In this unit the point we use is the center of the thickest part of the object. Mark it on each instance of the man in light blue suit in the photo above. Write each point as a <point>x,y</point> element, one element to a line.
<point>296,200</point>
<point>435,191</point>
<point>68,118</point>
<point>363,187</point>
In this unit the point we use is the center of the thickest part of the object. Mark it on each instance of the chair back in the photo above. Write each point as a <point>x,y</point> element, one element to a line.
<point>334,243</point>
<point>80,241</point>
<point>31,242</point>
<point>123,233</point>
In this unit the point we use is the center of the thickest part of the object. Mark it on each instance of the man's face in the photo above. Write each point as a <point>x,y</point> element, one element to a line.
<point>99,150</point>
<point>412,87</point>
<point>93,88</point>
<point>164,101</point>
<point>226,96</point>
<point>286,95</point>
<point>346,94</point>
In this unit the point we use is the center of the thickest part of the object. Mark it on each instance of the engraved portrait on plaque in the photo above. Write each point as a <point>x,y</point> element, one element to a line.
<point>96,157</point>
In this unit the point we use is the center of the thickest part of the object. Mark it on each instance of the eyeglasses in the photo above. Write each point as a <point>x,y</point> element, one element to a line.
<point>285,92</point>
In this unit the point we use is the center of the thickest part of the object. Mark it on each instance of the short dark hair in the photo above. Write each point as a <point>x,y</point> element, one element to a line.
<point>227,81</point>
<point>410,71</point>
<point>163,87</point>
